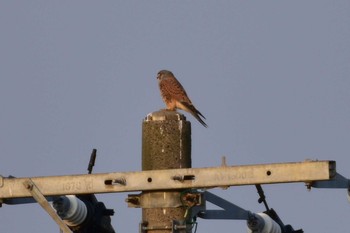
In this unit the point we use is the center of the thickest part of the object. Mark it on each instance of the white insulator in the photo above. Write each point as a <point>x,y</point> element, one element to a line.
<point>266,225</point>
<point>77,211</point>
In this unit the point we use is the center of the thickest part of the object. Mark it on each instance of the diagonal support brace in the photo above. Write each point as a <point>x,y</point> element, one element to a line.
<point>39,197</point>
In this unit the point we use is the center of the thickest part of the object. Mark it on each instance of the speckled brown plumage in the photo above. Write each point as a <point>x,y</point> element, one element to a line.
<point>175,96</point>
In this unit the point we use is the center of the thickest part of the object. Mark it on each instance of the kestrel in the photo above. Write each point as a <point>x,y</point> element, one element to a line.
<point>174,95</point>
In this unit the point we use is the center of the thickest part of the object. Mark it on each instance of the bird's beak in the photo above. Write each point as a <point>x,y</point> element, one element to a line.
<point>158,76</point>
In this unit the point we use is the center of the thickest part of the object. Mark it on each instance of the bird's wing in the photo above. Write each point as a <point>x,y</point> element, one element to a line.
<point>175,89</point>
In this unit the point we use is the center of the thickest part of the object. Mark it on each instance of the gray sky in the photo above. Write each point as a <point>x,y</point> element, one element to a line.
<point>271,77</point>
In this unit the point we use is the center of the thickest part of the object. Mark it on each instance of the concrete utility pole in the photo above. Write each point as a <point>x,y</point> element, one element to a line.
<point>166,144</point>
<point>169,197</point>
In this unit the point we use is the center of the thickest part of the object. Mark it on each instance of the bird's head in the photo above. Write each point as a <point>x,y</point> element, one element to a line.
<point>163,74</point>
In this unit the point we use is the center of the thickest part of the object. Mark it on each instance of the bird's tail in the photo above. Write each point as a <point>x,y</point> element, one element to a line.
<point>197,114</point>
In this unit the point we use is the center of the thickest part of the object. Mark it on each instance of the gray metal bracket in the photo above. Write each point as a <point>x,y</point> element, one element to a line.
<point>338,181</point>
<point>228,211</point>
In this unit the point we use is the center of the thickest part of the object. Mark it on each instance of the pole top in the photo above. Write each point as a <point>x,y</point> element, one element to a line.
<point>165,114</point>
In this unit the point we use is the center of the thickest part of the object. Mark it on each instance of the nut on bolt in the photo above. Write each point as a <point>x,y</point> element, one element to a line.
<point>133,199</point>
<point>28,185</point>
<point>191,199</point>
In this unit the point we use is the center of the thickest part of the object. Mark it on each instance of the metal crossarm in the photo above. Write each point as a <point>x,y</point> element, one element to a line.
<point>171,179</point>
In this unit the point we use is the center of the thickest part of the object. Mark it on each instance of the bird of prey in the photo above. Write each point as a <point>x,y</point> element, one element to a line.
<point>174,95</point>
